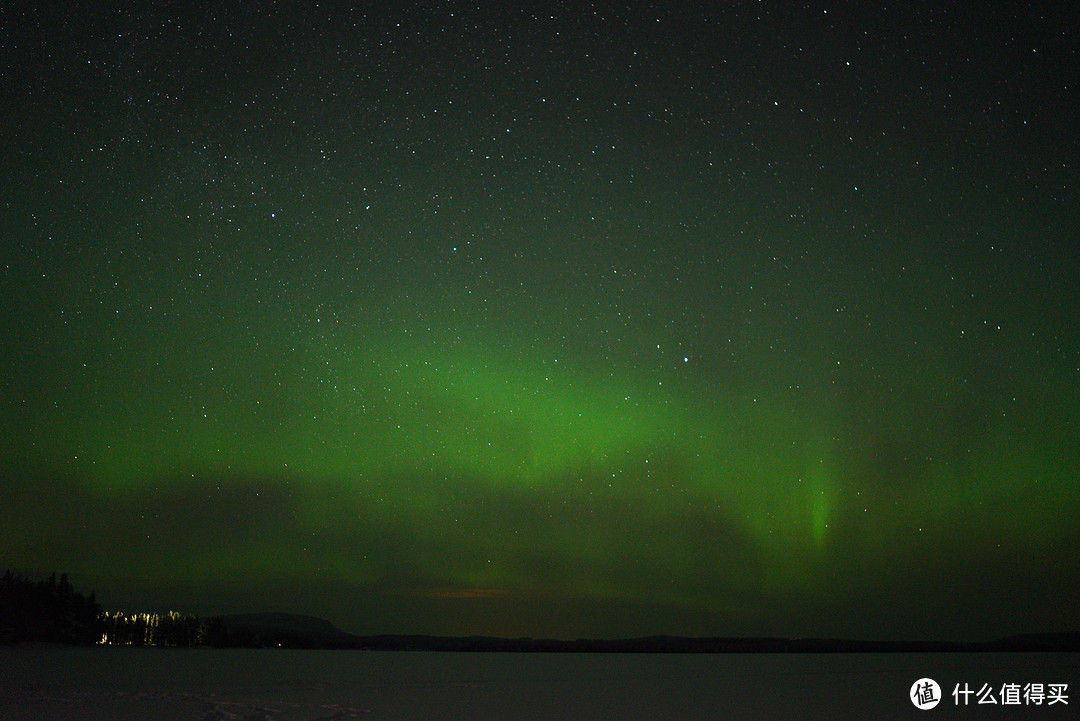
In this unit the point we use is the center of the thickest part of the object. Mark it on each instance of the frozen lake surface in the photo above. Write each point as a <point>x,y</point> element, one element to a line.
<point>49,682</point>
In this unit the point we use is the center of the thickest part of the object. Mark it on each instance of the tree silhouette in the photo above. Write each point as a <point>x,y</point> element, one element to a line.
<point>47,610</point>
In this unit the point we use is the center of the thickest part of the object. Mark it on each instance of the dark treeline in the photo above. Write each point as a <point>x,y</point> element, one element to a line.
<point>47,610</point>
<point>179,629</point>
<point>51,610</point>
<point>151,629</point>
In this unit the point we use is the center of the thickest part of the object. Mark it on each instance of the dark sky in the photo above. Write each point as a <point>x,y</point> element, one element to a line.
<point>547,320</point>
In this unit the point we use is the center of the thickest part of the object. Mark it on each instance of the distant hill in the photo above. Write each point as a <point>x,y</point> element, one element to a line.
<point>51,610</point>
<point>286,622</point>
<point>1040,642</point>
<point>284,630</point>
<point>268,630</point>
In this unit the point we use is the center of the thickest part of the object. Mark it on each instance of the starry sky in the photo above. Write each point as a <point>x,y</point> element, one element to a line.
<point>547,319</point>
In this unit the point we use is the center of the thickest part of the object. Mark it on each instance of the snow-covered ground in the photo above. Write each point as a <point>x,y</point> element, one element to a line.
<point>41,683</point>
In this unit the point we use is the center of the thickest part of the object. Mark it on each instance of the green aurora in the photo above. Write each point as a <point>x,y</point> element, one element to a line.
<point>420,346</point>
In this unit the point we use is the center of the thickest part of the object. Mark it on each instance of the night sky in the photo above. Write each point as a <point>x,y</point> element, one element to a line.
<point>547,320</point>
